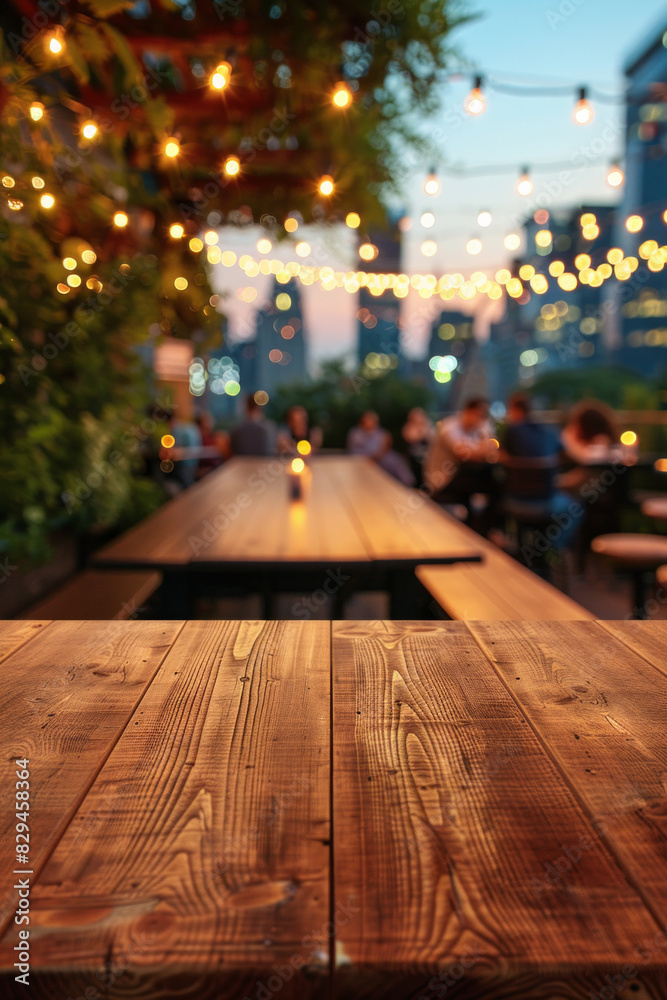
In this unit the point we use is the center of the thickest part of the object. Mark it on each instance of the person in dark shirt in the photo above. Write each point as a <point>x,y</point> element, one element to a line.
<point>526,439</point>
<point>255,435</point>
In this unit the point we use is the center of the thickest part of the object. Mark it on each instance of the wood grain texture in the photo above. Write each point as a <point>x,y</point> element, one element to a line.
<point>198,863</point>
<point>449,821</point>
<point>64,701</point>
<point>97,595</point>
<point>14,634</point>
<point>601,711</point>
<point>648,638</point>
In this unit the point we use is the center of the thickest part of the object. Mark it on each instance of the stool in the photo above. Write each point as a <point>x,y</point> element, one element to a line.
<point>655,507</point>
<point>636,555</point>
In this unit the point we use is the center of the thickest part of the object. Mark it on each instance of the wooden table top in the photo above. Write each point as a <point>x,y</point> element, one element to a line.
<point>230,810</point>
<point>352,512</point>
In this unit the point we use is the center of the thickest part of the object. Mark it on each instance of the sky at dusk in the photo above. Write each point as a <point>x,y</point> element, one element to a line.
<point>515,42</point>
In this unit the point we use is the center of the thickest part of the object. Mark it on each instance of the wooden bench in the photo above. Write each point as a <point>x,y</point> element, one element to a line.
<point>97,595</point>
<point>497,589</point>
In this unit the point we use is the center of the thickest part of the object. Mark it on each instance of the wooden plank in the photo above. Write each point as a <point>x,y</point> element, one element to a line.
<point>600,709</point>
<point>65,699</point>
<point>200,857</point>
<point>499,589</point>
<point>98,595</point>
<point>14,634</point>
<point>648,638</point>
<point>453,820</point>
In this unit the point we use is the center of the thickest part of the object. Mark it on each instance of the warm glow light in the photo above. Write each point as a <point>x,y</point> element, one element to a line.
<point>352,220</point>
<point>120,219</point>
<point>69,263</point>
<point>341,95</point>
<point>89,256</point>
<point>176,231</point>
<point>429,248</point>
<point>556,267</point>
<point>211,237</point>
<point>367,251</point>
<point>264,246</point>
<point>36,111</point>
<point>8,181</point>
<point>38,182</point>
<point>591,232</point>
<point>634,223</point>
<point>526,271</point>
<point>168,441</point>
<point>291,225</point>
<point>581,261</point>
<point>431,184</point>
<point>180,283</point>
<point>512,241</point>
<point>583,112</point>
<point>543,238</point>
<point>172,148</point>
<point>232,166</point>
<point>484,219</point>
<point>326,185</point>
<point>302,249</point>
<point>220,78</point>
<point>615,255</point>
<point>475,102</point>
<point>628,438</point>
<point>474,247</point>
<point>261,397</point>
<point>615,176</point>
<point>298,465</point>
<point>73,280</point>
<point>55,45</point>
<point>89,130</point>
<point>47,201</point>
<point>303,447</point>
<point>524,185</point>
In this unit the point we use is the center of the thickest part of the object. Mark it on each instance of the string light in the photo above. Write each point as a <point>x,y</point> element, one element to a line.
<point>120,219</point>
<point>474,247</point>
<point>291,225</point>
<point>484,219</point>
<point>615,176</point>
<point>326,185</point>
<point>232,166</point>
<point>172,147</point>
<point>432,184</point>
<point>36,111</point>
<point>475,102</point>
<point>220,78</point>
<point>54,44</point>
<point>524,185</point>
<point>634,223</point>
<point>47,201</point>
<point>583,113</point>
<point>89,130</point>
<point>427,220</point>
<point>341,95</point>
<point>352,220</point>
<point>512,241</point>
<point>176,231</point>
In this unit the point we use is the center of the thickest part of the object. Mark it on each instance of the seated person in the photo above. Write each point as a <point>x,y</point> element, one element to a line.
<point>367,438</point>
<point>525,439</point>
<point>393,463</point>
<point>589,438</point>
<point>255,435</point>
<point>296,429</point>
<point>417,433</point>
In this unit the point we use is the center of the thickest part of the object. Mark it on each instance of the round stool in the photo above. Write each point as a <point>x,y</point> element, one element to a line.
<point>656,508</point>
<point>636,555</point>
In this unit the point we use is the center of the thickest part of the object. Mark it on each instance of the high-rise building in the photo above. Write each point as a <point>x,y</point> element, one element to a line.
<point>378,328</point>
<point>451,350</point>
<point>280,341</point>
<point>637,306</point>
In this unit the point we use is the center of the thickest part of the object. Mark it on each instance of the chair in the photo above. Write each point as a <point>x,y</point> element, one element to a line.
<point>528,500</point>
<point>637,556</point>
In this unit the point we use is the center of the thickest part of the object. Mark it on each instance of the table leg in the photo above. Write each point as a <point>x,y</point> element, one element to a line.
<point>176,596</point>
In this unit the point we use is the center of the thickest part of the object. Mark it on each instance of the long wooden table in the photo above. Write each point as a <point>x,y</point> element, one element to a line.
<point>391,810</point>
<point>356,526</point>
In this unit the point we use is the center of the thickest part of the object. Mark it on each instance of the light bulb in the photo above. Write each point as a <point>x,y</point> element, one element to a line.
<point>232,166</point>
<point>615,176</point>
<point>341,95</point>
<point>583,112</point>
<point>326,185</point>
<point>475,102</point>
<point>47,201</point>
<point>172,147</point>
<point>36,111</point>
<point>176,231</point>
<point>352,220</point>
<point>524,185</point>
<point>431,184</point>
<point>89,130</point>
<point>55,45</point>
<point>120,219</point>
<point>484,219</point>
<point>220,78</point>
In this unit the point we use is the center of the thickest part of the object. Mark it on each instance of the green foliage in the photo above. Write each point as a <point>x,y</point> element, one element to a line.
<point>618,387</point>
<point>336,399</point>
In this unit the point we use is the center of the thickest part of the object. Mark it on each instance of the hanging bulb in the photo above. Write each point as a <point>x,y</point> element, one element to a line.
<point>232,166</point>
<point>326,185</point>
<point>475,102</point>
<point>55,45</point>
<point>172,147</point>
<point>524,185</point>
<point>432,184</point>
<point>583,111</point>
<point>615,176</point>
<point>220,78</point>
<point>484,219</point>
<point>341,95</point>
<point>36,111</point>
<point>89,130</point>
